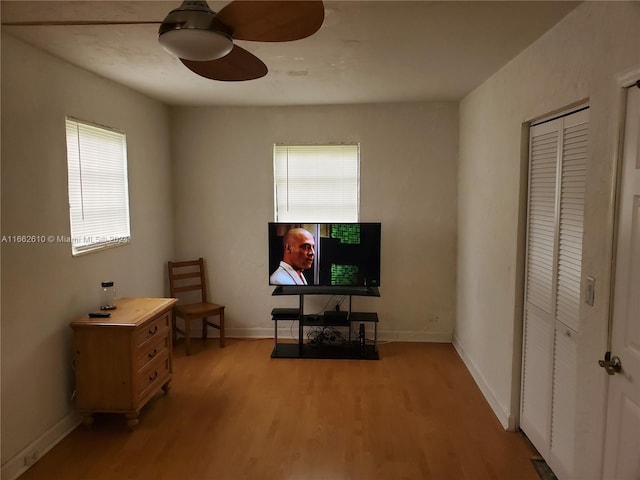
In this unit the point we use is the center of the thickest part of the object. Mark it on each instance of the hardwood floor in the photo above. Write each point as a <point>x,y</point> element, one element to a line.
<point>235,413</point>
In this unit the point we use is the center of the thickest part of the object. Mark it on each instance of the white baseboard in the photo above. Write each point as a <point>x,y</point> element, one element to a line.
<point>506,419</point>
<point>16,466</point>
<point>287,332</point>
<point>411,336</point>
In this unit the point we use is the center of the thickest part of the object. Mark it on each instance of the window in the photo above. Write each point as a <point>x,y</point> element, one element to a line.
<point>316,183</point>
<point>98,187</point>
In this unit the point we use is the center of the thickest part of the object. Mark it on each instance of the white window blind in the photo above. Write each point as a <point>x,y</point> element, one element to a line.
<point>98,187</point>
<point>317,183</point>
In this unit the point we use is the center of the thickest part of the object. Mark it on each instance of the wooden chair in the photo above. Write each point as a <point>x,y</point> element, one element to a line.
<point>189,276</point>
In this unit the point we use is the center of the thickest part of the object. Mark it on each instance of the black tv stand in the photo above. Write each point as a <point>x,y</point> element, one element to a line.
<point>353,349</point>
<point>318,290</point>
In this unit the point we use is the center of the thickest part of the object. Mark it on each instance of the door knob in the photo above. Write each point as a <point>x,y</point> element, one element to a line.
<point>611,364</point>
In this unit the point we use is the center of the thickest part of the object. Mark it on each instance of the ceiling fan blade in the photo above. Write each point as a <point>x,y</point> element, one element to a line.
<point>63,23</point>
<point>237,66</point>
<point>273,21</point>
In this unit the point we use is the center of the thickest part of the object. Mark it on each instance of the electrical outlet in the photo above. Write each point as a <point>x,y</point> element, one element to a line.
<point>31,458</point>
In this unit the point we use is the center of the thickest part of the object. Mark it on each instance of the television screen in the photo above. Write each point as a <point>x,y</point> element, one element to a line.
<point>324,254</point>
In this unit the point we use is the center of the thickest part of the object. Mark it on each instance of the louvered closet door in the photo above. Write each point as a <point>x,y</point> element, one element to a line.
<point>574,161</point>
<point>540,306</point>
<point>574,157</point>
<point>557,159</point>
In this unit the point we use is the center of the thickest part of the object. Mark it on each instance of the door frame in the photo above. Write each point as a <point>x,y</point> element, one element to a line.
<point>521,254</point>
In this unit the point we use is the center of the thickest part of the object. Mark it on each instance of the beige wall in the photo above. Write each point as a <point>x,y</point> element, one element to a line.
<point>578,59</point>
<point>43,287</point>
<point>223,171</point>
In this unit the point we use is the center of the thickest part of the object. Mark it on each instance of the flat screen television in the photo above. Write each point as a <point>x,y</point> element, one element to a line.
<point>325,254</point>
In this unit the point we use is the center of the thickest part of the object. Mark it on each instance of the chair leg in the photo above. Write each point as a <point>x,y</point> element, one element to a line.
<point>222,328</point>
<point>204,328</point>
<point>187,335</point>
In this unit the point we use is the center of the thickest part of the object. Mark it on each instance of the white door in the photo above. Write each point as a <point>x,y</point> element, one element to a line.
<point>622,441</point>
<point>557,172</point>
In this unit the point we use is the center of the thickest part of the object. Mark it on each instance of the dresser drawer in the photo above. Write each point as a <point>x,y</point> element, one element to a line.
<point>153,375</point>
<point>150,349</point>
<point>155,328</point>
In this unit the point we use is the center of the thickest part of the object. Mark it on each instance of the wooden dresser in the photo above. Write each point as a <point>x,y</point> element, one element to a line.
<point>121,362</point>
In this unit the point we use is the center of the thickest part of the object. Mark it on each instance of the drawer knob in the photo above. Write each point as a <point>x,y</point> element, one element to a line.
<point>154,353</point>
<point>154,376</point>
<point>153,330</point>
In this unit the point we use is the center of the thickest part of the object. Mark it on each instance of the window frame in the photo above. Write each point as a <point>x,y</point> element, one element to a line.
<point>104,156</point>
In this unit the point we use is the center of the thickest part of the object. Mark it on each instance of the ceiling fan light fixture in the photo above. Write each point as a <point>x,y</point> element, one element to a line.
<point>192,32</point>
<point>193,44</point>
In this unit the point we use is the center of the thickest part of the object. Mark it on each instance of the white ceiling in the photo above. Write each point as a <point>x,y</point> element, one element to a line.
<point>365,52</point>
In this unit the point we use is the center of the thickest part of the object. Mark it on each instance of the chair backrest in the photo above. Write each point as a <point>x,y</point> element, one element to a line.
<point>187,276</point>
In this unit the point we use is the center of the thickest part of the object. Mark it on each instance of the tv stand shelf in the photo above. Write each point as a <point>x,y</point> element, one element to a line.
<point>300,349</point>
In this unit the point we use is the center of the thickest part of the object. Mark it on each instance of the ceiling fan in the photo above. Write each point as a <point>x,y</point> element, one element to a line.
<point>203,40</point>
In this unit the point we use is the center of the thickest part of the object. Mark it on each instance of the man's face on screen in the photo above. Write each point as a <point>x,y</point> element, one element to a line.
<point>301,250</point>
